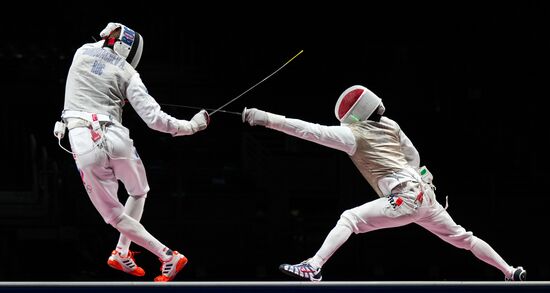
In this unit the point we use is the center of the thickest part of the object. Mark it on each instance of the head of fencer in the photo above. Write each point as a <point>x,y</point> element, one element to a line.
<point>357,103</point>
<point>124,41</point>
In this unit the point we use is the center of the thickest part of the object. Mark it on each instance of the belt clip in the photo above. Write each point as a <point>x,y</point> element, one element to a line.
<point>95,128</point>
<point>419,198</point>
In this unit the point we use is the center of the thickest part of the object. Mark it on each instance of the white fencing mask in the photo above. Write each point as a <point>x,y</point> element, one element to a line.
<point>128,45</point>
<point>355,104</point>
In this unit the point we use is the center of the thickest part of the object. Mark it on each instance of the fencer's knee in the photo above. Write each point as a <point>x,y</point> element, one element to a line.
<point>138,196</point>
<point>123,224</point>
<point>117,221</point>
<point>464,240</point>
<point>348,220</point>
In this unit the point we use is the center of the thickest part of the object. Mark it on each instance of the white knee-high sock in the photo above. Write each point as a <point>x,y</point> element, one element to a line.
<point>335,238</point>
<point>137,234</point>
<point>486,253</point>
<point>133,208</point>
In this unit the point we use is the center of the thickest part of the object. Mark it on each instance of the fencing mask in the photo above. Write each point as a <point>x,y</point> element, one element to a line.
<point>129,44</point>
<point>356,104</point>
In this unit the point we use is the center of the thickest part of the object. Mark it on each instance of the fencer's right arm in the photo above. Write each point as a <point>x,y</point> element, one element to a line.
<point>149,110</point>
<point>336,137</point>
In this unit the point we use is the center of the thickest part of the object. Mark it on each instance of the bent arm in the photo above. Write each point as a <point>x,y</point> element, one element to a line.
<point>149,110</point>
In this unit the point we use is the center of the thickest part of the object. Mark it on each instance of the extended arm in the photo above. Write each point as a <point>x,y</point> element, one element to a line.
<point>149,111</point>
<point>336,137</point>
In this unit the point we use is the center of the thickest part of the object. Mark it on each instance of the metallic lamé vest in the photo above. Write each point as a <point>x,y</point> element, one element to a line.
<point>378,151</point>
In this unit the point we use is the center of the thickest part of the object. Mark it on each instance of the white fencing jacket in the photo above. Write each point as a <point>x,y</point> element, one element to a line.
<point>100,82</point>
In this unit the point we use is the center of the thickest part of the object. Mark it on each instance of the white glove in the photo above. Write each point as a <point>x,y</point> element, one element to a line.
<point>258,117</point>
<point>200,121</point>
<point>255,117</point>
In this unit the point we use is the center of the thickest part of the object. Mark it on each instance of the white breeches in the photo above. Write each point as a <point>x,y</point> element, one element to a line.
<point>101,168</point>
<point>403,208</point>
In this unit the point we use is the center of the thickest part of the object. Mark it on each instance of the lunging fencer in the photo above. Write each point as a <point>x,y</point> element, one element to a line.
<point>390,163</point>
<point>101,80</point>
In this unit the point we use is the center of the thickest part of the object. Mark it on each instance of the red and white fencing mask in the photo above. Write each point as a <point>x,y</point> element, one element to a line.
<point>355,104</point>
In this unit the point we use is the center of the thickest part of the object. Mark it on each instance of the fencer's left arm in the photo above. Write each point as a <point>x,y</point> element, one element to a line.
<point>336,137</point>
<point>149,110</point>
<point>411,154</point>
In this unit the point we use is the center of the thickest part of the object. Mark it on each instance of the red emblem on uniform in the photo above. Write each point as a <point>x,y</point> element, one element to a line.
<point>399,201</point>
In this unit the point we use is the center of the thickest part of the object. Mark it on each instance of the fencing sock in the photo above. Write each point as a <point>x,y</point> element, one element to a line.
<point>137,233</point>
<point>486,253</point>
<point>133,208</point>
<point>335,238</point>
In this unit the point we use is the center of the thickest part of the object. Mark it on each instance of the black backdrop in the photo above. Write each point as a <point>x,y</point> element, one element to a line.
<point>466,81</point>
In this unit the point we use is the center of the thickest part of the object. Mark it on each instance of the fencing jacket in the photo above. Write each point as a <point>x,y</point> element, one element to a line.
<point>381,151</point>
<point>100,81</point>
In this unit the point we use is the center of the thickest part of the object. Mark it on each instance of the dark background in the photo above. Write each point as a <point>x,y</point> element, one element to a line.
<point>466,81</point>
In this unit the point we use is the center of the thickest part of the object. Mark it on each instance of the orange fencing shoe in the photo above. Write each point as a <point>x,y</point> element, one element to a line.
<point>126,264</point>
<point>171,267</point>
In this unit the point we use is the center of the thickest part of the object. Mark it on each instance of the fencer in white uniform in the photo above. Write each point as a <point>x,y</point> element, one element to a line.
<point>101,80</point>
<point>390,163</point>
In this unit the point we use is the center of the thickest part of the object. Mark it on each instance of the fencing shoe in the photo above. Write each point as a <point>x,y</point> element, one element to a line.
<point>519,274</point>
<point>303,271</point>
<point>171,267</point>
<point>126,264</point>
